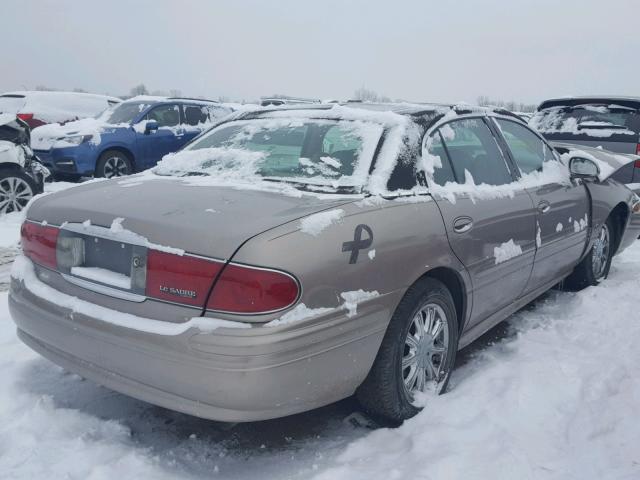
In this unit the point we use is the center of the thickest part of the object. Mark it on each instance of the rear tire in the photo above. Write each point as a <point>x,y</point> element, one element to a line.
<point>16,190</point>
<point>595,266</point>
<point>113,163</point>
<point>388,391</point>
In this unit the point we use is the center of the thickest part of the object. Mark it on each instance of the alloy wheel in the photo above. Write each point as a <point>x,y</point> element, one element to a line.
<point>15,193</point>
<point>600,254</point>
<point>425,350</point>
<point>115,167</point>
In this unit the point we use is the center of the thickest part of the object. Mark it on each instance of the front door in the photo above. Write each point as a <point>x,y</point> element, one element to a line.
<point>490,224</point>
<point>562,207</point>
<point>167,139</point>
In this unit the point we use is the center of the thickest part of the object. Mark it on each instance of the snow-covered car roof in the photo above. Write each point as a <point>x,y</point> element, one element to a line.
<point>47,93</point>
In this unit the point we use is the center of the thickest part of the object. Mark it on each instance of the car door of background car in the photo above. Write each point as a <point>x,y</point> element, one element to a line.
<point>195,119</point>
<point>562,207</point>
<point>168,138</point>
<point>492,232</point>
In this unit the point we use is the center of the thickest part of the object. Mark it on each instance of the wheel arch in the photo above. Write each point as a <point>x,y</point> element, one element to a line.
<point>4,166</point>
<point>620,217</point>
<point>456,286</point>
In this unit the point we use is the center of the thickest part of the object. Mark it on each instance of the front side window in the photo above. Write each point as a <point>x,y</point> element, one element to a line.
<point>165,115</point>
<point>126,112</point>
<point>474,153</point>
<point>528,150</point>
<point>307,151</point>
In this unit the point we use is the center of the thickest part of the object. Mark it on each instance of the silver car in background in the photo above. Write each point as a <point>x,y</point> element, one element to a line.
<point>292,257</point>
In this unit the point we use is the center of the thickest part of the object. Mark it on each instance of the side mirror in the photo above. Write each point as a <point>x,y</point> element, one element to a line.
<point>580,167</point>
<point>150,126</point>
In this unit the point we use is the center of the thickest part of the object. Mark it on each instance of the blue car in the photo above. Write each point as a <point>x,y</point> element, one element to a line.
<point>131,137</point>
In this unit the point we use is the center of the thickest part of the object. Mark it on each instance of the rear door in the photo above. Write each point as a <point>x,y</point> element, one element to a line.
<point>562,207</point>
<point>490,225</point>
<point>168,138</point>
<point>195,119</point>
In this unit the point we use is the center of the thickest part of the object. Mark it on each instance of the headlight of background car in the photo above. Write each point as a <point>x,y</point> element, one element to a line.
<point>76,139</point>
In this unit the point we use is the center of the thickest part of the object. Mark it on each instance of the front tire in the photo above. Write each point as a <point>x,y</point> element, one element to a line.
<point>16,190</point>
<point>595,266</point>
<point>417,353</point>
<point>113,163</point>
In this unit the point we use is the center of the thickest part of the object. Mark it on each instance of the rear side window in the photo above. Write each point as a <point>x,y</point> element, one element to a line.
<point>473,151</point>
<point>437,156</point>
<point>589,120</point>
<point>195,115</point>
<point>165,115</point>
<point>528,151</point>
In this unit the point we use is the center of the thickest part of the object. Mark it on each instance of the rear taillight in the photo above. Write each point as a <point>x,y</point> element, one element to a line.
<point>39,243</point>
<point>180,278</point>
<point>184,279</point>
<point>637,164</point>
<point>637,151</point>
<point>25,116</point>
<point>250,290</point>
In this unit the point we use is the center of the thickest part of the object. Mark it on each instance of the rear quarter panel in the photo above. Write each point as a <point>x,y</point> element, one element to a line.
<point>409,239</point>
<point>606,195</point>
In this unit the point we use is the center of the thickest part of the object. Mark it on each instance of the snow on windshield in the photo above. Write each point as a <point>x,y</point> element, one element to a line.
<point>321,152</point>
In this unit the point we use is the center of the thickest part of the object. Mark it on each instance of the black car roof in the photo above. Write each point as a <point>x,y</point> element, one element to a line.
<point>630,102</point>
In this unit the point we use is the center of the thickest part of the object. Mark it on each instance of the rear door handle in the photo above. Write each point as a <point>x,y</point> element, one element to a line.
<point>462,224</point>
<point>544,206</point>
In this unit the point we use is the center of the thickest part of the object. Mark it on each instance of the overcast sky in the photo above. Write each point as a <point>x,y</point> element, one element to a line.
<point>418,50</point>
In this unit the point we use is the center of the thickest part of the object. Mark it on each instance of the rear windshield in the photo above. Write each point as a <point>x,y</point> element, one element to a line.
<point>333,153</point>
<point>11,103</point>
<point>126,112</point>
<point>595,120</point>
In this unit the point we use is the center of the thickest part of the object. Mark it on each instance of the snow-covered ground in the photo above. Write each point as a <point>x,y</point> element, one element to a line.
<point>554,394</point>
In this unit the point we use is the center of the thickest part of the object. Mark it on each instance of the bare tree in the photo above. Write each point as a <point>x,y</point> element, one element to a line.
<point>366,95</point>
<point>139,90</point>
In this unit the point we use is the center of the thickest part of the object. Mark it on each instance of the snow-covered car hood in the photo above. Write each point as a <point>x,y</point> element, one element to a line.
<point>44,137</point>
<point>209,221</point>
<point>608,162</point>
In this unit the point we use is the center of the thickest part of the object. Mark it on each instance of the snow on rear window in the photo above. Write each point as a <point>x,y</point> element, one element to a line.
<point>590,120</point>
<point>335,153</point>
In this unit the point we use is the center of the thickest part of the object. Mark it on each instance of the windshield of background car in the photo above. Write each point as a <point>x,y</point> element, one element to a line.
<point>309,151</point>
<point>588,120</point>
<point>126,112</point>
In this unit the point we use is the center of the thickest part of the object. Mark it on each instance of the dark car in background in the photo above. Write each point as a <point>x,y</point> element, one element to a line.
<point>131,137</point>
<point>608,122</point>
<point>21,175</point>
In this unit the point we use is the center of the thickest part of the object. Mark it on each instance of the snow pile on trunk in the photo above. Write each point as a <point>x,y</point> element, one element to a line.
<point>316,223</point>
<point>557,401</point>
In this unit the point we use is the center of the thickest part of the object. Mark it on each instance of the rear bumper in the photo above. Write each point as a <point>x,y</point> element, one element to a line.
<point>227,374</point>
